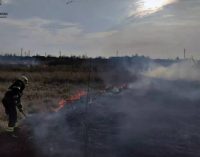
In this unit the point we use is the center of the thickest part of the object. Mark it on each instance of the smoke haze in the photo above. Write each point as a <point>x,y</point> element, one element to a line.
<point>155,116</point>
<point>186,70</point>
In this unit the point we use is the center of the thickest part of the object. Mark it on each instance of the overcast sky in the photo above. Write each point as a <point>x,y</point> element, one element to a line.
<point>155,28</point>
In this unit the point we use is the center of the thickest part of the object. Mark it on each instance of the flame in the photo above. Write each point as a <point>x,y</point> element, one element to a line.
<point>77,96</point>
<point>71,99</point>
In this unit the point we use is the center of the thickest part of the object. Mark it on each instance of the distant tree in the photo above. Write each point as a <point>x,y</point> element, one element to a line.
<point>84,56</point>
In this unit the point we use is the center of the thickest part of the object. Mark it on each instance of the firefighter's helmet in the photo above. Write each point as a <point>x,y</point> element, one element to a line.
<point>24,79</point>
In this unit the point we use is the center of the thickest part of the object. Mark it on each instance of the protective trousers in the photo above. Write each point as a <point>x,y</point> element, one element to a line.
<point>11,111</point>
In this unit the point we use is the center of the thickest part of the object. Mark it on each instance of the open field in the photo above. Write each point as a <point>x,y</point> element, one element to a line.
<point>128,111</point>
<point>45,89</point>
<point>49,84</point>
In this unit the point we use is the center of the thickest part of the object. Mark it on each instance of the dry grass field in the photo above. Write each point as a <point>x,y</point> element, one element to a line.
<point>45,89</point>
<point>48,85</point>
<point>148,117</point>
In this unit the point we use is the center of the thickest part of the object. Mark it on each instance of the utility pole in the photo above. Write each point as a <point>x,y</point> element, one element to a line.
<point>184,53</point>
<point>21,52</point>
<point>117,53</point>
<point>29,53</point>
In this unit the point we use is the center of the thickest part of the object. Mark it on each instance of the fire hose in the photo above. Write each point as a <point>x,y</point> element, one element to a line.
<point>24,114</point>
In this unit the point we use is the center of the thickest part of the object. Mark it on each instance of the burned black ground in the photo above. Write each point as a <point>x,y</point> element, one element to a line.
<point>160,119</point>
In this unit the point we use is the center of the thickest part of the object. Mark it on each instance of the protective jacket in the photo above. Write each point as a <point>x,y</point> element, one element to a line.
<point>13,95</point>
<point>12,100</point>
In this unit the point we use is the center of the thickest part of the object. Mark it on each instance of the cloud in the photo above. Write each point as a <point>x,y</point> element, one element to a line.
<point>37,32</point>
<point>42,34</point>
<point>6,1</point>
<point>148,7</point>
<point>82,28</point>
<point>161,39</point>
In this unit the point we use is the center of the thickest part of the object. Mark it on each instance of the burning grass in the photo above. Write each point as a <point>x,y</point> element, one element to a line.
<point>156,120</point>
<point>72,98</point>
<point>48,85</point>
<point>150,117</point>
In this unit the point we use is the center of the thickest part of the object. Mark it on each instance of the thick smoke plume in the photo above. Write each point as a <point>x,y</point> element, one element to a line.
<point>154,117</point>
<point>186,70</point>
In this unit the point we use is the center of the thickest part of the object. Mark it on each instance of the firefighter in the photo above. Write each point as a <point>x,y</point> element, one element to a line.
<point>11,101</point>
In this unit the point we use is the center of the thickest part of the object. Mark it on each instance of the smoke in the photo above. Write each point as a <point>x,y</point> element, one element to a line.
<point>154,116</point>
<point>16,60</point>
<point>149,121</point>
<point>186,70</point>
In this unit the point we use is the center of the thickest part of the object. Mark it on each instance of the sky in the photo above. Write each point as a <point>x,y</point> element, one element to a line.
<point>155,28</point>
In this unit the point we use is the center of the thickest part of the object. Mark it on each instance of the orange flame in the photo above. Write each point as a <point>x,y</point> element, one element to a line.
<point>71,99</point>
<point>80,93</point>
